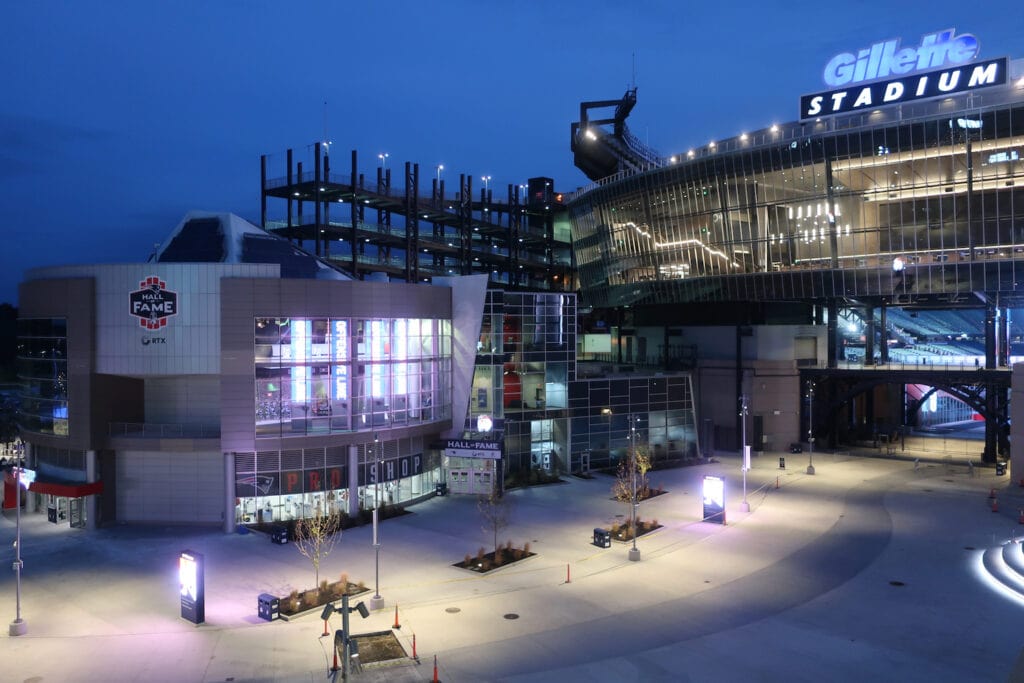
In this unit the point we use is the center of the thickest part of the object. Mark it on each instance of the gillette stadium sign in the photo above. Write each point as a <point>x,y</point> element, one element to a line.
<point>887,73</point>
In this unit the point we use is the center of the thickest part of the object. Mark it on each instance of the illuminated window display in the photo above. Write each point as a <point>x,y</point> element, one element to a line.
<point>277,486</point>
<point>327,375</point>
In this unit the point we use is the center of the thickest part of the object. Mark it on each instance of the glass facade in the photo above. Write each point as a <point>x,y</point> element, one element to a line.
<point>43,372</point>
<point>526,359</point>
<point>662,408</point>
<point>274,486</point>
<point>933,206</point>
<point>327,375</point>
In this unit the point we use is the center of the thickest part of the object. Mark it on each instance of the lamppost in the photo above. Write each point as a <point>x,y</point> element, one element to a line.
<point>634,553</point>
<point>810,427</point>
<point>18,627</point>
<point>342,637</point>
<point>745,451</point>
<point>376,602</point>
<point>486,179</point>
<point>440,167</point>
<point>383,157</point>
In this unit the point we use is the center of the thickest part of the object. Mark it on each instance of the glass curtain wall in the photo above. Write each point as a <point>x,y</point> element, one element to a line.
<point>929,192</point>
<point>324,375</point>
<point>43,371</point>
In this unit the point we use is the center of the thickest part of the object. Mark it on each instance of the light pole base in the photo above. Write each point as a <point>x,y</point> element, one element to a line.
<point>810,469</point>
<point>744,506</point>
<point>19,627</point>
<point>634,554</point>
<point>376,602</point>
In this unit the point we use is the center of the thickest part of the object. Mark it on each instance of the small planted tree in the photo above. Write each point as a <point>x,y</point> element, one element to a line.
<point>638,458</point>
<point>315,536</point>
<point>495,513</point>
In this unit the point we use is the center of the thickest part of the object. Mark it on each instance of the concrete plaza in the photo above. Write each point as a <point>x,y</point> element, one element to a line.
<point>865,570</point>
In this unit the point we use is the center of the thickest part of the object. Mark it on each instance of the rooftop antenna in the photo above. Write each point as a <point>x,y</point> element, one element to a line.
<point>327,141</point>
<point>634,71</point>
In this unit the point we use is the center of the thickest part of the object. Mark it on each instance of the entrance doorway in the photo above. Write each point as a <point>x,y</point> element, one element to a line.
<point>477,481</point>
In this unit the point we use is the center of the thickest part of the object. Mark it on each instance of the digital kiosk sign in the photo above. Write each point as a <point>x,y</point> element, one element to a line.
<point>193,594</point>
<point>714,499</point>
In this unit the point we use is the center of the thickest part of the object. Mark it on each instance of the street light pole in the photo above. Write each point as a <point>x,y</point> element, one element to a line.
<point>634,553</point>
<point>18,627</point>
<point>376,602</point>
<point>810,428</point>
<point>744,452</point>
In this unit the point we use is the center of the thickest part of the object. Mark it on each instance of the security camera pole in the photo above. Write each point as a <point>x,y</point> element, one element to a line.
<point>810,428</point>
<point>634,552</point>
<point>18,627</point>
<point>376,602</point>
<point>745,454</point>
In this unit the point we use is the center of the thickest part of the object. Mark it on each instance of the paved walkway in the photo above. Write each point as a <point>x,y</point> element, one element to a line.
<point>864,570</point>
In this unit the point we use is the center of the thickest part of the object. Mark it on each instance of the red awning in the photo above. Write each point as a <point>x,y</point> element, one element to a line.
<point>66,489</point>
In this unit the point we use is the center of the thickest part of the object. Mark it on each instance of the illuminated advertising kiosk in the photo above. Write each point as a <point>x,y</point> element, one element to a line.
<point>714,499</point>
<point>193,594</point>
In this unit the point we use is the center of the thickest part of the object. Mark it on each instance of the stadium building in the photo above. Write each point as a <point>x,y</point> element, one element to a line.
<point>798,259</point>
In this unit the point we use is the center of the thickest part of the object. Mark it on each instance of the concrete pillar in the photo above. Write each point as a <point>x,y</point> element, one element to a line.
<point>833,333</point>
<point>884,332</point>
<point>229,493</point>
<point>353,482</point>
<point>91,502</point>
<point>1003,337</point>
<point>32,503</point>
<point>869,335</point>
<point>990,337</point>
<point>1017,418</point>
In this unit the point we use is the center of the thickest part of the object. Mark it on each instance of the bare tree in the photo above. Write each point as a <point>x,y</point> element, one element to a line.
<point>315,536</point>
<point>496,513</point>
<point>637,457</point>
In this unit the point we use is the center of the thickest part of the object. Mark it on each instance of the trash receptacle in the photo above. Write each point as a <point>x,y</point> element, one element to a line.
<point>782,463</point>
<point>1000,469</point>
<point>441,488</point>
<point>269,607</point>
<point>602,538</point>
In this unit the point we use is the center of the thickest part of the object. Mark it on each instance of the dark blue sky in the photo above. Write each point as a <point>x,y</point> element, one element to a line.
<point>119,117</point>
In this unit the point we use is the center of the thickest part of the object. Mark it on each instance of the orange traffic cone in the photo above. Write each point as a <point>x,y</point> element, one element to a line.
<point>995,505</point>
<point>397,625</point>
